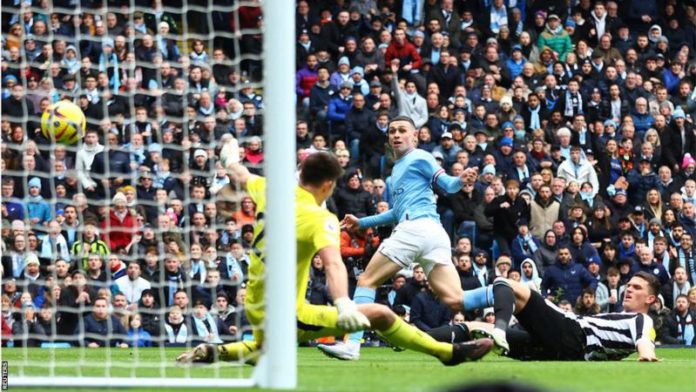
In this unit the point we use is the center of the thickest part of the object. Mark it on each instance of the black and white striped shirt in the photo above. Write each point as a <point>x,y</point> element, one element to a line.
<point>613,336</point>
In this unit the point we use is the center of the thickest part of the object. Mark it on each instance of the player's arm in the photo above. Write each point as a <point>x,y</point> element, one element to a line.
<point>384,219</point>
<point>349,318</point>
<point>437,175</point>
<point>645,339</point>
<point>239,174</point>
<point>229,157</point>
<point>336,274</point>
<point>646,352</point>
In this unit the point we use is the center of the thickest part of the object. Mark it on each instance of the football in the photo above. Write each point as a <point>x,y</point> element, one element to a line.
<point>63,122</point>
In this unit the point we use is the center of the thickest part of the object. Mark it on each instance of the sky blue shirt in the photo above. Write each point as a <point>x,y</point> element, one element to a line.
<point>411,189</point>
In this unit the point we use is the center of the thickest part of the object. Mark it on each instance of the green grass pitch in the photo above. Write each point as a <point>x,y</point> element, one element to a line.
<point>381,369</point>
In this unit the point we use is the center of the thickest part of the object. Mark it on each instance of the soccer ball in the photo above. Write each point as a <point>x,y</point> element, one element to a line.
<point>63,122</point>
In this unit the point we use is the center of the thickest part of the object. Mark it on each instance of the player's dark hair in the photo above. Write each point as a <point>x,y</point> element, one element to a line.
<point>653,283</point>
<point>319,168</point>
<point>403,118</point>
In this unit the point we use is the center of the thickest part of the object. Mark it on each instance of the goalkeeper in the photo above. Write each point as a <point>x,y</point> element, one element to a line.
<point>317,233</point>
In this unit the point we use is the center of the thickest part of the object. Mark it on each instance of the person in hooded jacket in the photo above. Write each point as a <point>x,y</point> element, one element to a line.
<point>580,247</point>
<point>150,314</point>
<point>548,250</point>
<point>529,274</point>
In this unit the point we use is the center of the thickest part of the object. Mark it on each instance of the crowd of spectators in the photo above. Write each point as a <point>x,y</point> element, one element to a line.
<point>578,115</point>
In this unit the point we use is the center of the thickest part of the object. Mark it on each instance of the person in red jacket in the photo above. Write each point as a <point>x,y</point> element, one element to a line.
<point>120,226</point>
<point>404,51</point>
<point>306,78</point>
<point>357,247</point>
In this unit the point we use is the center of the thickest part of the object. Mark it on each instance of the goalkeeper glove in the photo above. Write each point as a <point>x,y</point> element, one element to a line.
<point>229,153</point>
<point>349,318</point>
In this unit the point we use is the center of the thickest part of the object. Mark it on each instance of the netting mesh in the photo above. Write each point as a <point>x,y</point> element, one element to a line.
<point>132,238</point>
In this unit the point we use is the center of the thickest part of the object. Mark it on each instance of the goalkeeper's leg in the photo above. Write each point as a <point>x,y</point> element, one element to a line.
<point>318,321</point>
<point>209,353</point>
<point>245,351</point>
<point>400,334</point>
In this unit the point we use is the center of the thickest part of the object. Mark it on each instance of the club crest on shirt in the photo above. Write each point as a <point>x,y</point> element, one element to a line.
<point>330,226</point>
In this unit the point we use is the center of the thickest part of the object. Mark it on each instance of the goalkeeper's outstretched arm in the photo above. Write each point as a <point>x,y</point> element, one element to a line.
<point>349,317</point>
<point>229,157</point>
<point>239,174</point>
<point>336,274</point>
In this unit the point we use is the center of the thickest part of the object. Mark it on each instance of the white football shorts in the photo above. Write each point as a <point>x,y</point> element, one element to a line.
<point>422,241</point>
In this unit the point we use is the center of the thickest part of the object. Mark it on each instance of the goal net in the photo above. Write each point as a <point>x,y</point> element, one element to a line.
<point>130,246</point>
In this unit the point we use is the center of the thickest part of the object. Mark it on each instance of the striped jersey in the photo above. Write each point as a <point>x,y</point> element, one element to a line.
<point>613,336</point>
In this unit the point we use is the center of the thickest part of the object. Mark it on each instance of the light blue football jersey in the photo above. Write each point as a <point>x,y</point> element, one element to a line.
<point>411,189</point>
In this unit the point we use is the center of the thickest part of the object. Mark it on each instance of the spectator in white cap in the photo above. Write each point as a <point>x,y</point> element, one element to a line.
<point>32,270</point>
<point>18,228</point>
<point>167,46</point>
<point>118,228</point>
<point>448,148</point>
<point>357,76</point>
<point>486,178</point>
<point>342,74</point>
<point>201,167</point>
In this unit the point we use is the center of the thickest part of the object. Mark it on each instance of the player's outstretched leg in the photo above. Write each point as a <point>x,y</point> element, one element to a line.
<point>399,333</point>
<point>444,280</point>
<point>208,353</point>
<point>456,333</point>
<point>379,269</point>
<point>504,306</point>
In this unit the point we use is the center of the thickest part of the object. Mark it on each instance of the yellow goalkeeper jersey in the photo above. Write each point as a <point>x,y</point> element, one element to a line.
<point>316,228</point>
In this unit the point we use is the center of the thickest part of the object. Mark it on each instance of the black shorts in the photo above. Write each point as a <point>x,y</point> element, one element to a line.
<point>553,337</point>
